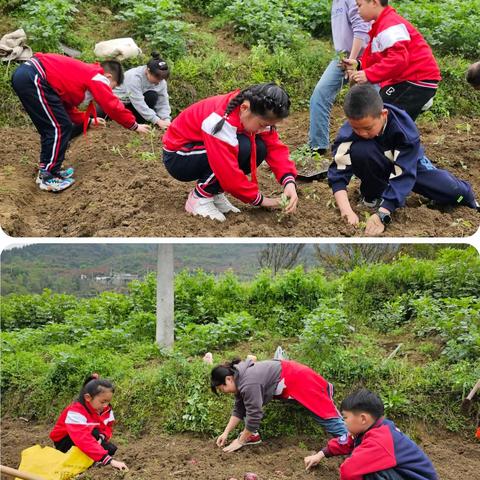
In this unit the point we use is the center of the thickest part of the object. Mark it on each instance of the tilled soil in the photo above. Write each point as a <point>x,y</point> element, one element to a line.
<point>186,457</point>
<point>122,190</point>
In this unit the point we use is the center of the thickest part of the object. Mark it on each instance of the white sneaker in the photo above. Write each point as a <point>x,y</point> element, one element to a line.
<point>223,204</point>
<point>204,207</point>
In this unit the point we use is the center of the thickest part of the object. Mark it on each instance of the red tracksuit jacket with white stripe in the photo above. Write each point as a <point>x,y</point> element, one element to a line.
<point>77,83</point>
<point>195,124</point>
<point>383,446</point>
<point>78,422</point>
<point>397,52</point>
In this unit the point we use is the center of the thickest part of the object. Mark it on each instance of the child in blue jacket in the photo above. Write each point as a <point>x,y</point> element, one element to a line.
<point>380,145</point>
<point>377,449</point>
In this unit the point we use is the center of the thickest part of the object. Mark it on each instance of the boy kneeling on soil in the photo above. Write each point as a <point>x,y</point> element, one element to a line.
<point>220,140</point>
<point>87,423</point>
<point>380,144</point>
<point>378,449</point>
<point>51,87</point>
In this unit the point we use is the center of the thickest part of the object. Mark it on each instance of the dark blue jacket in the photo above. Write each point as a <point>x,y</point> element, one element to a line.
<point>390,158</point>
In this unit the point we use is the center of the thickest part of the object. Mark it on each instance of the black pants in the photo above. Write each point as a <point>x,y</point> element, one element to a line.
<point>390,474</point>
<point>66,443</point>
<point>47,112</point>
<point>191,163</point>
<point>411,98</point>
<point>150,97</point>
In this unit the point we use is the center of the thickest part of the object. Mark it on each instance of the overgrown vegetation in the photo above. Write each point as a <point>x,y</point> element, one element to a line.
<point>344,328</point>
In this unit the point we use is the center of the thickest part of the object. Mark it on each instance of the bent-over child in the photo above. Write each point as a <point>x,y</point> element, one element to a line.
<point>51,87</point>
<point>380,144</point>
<point>377,449</point>
<point>218,141</point>
<point>255,384</point>
<point>87,423</point>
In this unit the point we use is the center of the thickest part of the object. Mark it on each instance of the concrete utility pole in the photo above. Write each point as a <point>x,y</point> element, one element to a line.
<point>165,297</point>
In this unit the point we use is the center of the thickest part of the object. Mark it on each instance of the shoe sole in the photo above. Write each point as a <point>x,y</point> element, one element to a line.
<point>190,211</point>
<point>253,443</point>
<point>46,188</point>
<point>228,211</point>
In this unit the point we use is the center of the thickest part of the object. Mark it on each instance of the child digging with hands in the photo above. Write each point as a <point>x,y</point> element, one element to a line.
<point>377,449</point>
<point>87,423</point>
<point>380,144</point>
<point>218,141</point>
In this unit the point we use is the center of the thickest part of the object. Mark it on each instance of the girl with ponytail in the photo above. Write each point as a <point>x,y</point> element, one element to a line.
<point>218,141</point>
<point>144,92</point>
<point>87,423</point>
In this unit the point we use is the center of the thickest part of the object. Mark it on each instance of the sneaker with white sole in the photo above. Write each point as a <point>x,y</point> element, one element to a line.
<point>254,439</point>
<point>205,207</point>
<point>62,174</point>
<point>55,184</point>
<point>223,204</point>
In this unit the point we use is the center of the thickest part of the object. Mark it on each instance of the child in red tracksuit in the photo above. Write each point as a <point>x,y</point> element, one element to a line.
<point>221,139</point>
<point>377,449</point>
<point>51,87</point>
<point>87,423</point>
<point>397,57</point>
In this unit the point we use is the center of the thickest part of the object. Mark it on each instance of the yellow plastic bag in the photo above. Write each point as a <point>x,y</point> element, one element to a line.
<point>52,464</point>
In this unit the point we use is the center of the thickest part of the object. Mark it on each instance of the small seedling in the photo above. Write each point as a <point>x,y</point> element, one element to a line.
<point>148,156</point>
<point>134,143</point>
<point>282,214</point>
<point>116,150</point>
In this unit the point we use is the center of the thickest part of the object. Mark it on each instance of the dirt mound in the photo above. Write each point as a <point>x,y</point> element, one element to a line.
<point>123,190</point>
<point>185,457</point>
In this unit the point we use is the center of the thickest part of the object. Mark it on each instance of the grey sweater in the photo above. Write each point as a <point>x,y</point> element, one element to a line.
<point>135,85</point>
<point>256,384</point>
<point>347,24</point>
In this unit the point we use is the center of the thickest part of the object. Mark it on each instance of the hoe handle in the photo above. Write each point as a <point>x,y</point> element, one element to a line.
<point>13,472</point>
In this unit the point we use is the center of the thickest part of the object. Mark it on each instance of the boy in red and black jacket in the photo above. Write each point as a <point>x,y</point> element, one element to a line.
<point>397,57</point>
<point>51,87</point>
<point>377,449</point>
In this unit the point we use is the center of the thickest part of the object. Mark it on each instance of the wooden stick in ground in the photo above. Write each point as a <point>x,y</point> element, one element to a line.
<point>13,472</point>
<point>473,391</point>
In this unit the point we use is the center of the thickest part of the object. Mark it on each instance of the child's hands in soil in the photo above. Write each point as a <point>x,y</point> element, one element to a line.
<point>98,122</point>
<point>352,218</point>
<point>222,439</point>
<point>235,445</point>
<point>270,202</point>
<point>119,465</point>
<point>313,460</point>
<point>291,193</point>
<point>374,226</point>
<point>142,128</point>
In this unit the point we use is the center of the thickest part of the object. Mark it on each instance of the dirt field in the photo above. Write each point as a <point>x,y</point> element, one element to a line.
<point>123,190</point>
<point>156,457</point>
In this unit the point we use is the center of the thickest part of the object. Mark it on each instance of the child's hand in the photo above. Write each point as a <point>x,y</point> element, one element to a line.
<point>270,202</point>
<point>119,465</point>
<point>291,192</point>
<point>100,122</point>
<point>349,64</point>
<point>313,460</point>
<point>142,128</point>
<point>163,124</point>
<point>221,440</point>
<point>351,217</point>
<point>374,226</point>
<point>235,445</point>
<point>359,77</point>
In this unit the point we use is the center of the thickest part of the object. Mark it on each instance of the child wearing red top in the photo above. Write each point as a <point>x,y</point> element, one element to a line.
<point>218,141</point>
<point>87,423</point>
<point>398,58</point>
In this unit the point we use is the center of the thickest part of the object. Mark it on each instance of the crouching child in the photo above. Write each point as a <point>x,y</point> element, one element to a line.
<point>380,144</point>
<point>377,449</point>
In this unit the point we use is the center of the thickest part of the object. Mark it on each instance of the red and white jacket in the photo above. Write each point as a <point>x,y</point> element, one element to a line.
<point>78,422</point>
<point>397,53</point>
<point>78,83</point>
<point>195,124</point>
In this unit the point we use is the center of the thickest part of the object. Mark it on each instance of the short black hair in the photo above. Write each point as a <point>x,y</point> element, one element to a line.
<point>473,74</point>
<point>158,67</point>
<point>94,385</point>
<point>363,401</point>
<point>362,101</point>
<point>115,69</point>
<point>220,372</point>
